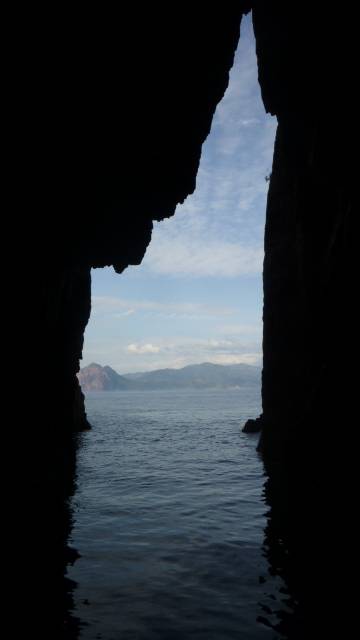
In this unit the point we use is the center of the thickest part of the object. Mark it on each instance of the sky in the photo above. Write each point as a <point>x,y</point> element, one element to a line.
<point>197,296</point>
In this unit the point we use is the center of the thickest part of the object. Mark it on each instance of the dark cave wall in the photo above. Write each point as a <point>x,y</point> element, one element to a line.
<point>109,111</point>
<point>308,278</point>
<point>130,99</point>
<point>306,70</point>
<point>143,93</point>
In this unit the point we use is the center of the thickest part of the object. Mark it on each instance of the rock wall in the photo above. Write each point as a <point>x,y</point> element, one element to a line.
<point>112,138</point>
<point>306,66</point>
<point>110,109</point>
<point>121,103</point>
<point>307,71</point>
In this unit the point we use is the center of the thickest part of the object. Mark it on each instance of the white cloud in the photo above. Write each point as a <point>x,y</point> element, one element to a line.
<point>190,257</point>
<point>119,307</point>
<point>174,352</point>
<point>241,329</point>
<point>245,358</point>
<point>124,314</point>
<point>249,122</point>
<point>142,348</point>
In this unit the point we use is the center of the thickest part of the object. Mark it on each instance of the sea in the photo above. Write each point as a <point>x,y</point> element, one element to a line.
<point>169,516</point>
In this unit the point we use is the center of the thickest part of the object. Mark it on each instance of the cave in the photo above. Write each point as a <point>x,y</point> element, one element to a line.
<point>110,113</point>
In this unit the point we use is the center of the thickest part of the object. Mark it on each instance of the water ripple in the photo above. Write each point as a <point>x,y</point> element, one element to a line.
<point>170,518</point>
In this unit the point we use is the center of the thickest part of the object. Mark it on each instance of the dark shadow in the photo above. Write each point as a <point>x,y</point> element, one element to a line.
<point>283,609</point>
<point>69,622</point>
<point>48,603</point>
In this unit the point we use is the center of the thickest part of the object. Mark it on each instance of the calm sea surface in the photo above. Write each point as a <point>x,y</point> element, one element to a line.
<point>169,519</point>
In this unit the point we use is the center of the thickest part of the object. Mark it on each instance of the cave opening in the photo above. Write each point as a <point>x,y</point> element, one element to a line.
<point>171,371</point>
<point>197,294</point>
<point>109,110</point>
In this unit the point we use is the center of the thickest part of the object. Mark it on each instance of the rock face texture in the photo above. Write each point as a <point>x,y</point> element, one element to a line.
<point>112,110</point>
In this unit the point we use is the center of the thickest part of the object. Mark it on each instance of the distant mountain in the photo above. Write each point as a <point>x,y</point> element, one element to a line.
<point>196,376</point>
<point>201,376</point>
<point>94,377</point>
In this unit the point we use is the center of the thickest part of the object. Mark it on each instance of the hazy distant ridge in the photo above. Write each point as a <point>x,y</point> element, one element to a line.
<point>94,377</point>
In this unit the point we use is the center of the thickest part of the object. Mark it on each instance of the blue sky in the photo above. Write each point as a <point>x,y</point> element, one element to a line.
<point>197,296</point>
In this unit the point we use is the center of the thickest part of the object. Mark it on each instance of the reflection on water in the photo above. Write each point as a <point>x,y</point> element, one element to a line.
<point>70,623</point>
<point>178,534</point>
<point>43,592</point>
<point>281,612</point>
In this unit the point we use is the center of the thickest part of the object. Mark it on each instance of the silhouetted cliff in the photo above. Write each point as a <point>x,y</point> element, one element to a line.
<point>305,72</point>
<point>109,109</point>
